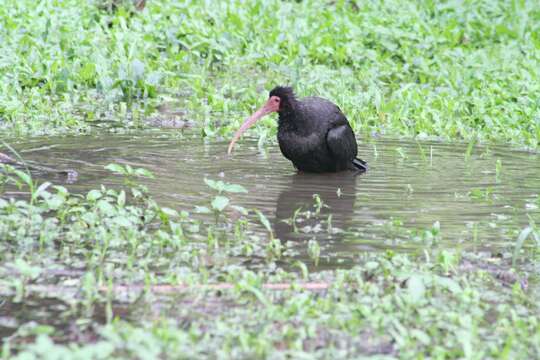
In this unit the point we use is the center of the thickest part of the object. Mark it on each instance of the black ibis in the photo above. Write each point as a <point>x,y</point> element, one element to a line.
<point>313,133</point>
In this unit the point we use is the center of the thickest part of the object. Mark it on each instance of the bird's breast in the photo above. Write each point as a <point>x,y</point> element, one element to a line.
<point>298,147</point>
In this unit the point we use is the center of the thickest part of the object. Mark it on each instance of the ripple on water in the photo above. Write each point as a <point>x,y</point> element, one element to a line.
<point>410,186</point>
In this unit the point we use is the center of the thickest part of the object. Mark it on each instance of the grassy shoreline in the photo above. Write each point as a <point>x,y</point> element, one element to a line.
<point>70,259</point>
<point>456,71</point>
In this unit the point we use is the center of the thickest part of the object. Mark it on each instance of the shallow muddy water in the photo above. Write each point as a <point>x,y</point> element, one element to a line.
<point>414,193</point>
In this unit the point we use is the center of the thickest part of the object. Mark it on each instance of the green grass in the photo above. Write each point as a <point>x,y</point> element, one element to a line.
<point>456,70</point>
<point>65,257</point>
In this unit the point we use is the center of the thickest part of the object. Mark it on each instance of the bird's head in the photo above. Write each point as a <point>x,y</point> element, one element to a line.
<point>281,99</point>
<point>283,95</point>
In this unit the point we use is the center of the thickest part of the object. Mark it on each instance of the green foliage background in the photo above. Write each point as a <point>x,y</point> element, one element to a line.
<point>454,69</point>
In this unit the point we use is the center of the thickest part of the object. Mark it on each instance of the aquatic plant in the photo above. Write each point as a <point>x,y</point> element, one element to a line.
<point>456,71</point>
<point>141,280</point>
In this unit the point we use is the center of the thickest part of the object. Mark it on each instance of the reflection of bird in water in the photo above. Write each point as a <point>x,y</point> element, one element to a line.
<point>301,215</point>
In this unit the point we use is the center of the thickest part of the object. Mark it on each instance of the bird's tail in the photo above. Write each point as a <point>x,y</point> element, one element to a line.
<point>360,164</point>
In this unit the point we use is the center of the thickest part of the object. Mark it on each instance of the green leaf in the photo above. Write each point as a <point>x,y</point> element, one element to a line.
<point>25,177</point>
<point>314,251</point>
<point>220,202</point>
<point>256,292</point>
<point>202,210</point>
<point>61,190</point>
<point>106,208</point>
<point>93,195</point>
<point>371,265</point>
<point>121,198</point>
<point>54,202</point>
<point>144,173</point>
<point>88,72</point>
<point>421,336</point>
<point>169,212</point>
<point>123,221</point>
<point>116,168</point>
<point>523,235</point>
<point>137,68</point>
<point>27,269</point>
<point>303,268</point>
<point>240,209</point>
<point>234,188</point>
<point>42,188</point>
<point>264,220</point>
<point>416,288</point>
<point>216,185</point>
<point>449,284</point>
<point>129,170</point>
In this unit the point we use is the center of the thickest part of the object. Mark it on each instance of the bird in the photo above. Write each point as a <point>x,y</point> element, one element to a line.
<point>313,133</point>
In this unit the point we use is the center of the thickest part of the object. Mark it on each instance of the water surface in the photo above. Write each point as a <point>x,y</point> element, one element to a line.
<point>415,193</point>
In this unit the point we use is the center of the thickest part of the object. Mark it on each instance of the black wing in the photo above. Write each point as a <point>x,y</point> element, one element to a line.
<point>342,143</point>
<point>340,137</point>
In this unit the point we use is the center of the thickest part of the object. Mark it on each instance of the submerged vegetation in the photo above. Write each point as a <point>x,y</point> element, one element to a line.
<point>111,272</point>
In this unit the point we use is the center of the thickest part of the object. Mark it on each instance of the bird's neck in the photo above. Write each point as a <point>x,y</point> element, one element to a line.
<point>289,117</point>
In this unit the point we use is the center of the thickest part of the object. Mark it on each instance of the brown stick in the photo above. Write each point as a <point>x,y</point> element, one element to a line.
<point>171,289</point>
<point>69,173</point>
<point>140,4</point>
<point>6,159</point>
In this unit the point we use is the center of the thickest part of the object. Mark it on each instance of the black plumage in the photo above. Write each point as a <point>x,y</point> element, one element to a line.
<point>313,133</point>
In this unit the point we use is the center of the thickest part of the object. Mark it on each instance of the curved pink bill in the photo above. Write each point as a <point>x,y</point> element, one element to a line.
<point>265,110</point>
